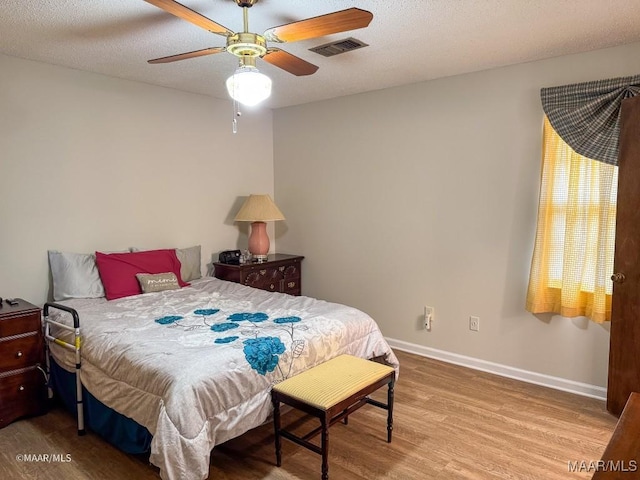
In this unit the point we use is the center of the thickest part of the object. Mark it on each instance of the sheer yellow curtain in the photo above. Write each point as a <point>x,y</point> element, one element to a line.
<point>573,254</point>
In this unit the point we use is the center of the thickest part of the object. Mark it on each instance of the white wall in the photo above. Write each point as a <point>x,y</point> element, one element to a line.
<point>89,162</point>
<point>400,198</point>
<point>427,195</point>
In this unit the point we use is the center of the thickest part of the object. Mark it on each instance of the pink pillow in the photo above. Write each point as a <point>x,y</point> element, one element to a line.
<point>118,270</point>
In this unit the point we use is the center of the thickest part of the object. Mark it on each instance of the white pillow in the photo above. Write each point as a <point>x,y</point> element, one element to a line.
<point>190,263</point>
<point>75,275</point>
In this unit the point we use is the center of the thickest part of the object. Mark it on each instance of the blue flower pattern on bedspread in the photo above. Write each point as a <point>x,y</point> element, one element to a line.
<point>168,319</point>
<point>223,327</point>
<point>287,320</point>
<point>225,340</point>
<point>252,317</point>
<point>263,353</point>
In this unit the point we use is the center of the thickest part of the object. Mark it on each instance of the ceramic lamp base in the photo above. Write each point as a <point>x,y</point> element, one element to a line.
<point>259,241</point>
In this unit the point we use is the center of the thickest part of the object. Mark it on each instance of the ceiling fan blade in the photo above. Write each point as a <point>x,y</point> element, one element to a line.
<point>185,13</point>
<point>184,56</point>
<point>289,62</point>
<point>342,21</point>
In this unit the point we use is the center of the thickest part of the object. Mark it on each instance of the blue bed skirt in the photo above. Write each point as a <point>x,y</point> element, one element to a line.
<point>122,432</point>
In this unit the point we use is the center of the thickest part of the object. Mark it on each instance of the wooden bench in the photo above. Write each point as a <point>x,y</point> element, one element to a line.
<point>331,392</point>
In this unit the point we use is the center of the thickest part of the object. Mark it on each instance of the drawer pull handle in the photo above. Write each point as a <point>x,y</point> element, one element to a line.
<point>291,284</point>
<point>21,388</point>
<point>272,286</point>
<point>18,354</point>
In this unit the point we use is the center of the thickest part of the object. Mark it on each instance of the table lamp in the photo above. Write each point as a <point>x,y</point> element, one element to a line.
<point>259,209</point>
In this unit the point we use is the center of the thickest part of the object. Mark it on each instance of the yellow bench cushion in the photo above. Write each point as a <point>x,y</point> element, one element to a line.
<point>331,382</point>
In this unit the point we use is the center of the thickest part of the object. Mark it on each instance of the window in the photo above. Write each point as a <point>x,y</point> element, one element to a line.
<point>573,254</point>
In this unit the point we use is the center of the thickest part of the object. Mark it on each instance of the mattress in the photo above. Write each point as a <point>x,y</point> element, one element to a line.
<point>195,366</point>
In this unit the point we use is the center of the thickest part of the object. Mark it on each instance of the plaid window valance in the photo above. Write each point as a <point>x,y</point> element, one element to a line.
<point>587,115</point>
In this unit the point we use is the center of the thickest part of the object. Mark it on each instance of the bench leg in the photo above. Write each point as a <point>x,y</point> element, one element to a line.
<point>325,447</point>
<point>390,395</point>
<point>276,428</point>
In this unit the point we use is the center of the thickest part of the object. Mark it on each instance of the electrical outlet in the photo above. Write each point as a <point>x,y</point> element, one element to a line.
<point>474,323</point>
<point>428,316</point>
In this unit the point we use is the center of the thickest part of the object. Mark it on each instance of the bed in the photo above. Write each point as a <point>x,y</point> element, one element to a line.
<point>194,366</point>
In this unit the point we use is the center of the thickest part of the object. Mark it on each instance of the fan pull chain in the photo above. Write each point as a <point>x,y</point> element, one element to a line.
<point>236,113</point>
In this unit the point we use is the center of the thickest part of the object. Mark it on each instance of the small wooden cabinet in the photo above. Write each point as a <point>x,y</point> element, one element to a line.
<point>280,273</point>
<point>23,389</point>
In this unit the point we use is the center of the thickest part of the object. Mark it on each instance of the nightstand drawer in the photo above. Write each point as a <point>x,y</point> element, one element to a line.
<point>264,270</point>
<point>291,286</point>
<point>23,389</point>
<point>15,325</point>
<point>21,351</point>
<point>292,271</point>
<point>22,392</point>
<point>281,279</point>
<point>280,273</point>
<point>256,279</point>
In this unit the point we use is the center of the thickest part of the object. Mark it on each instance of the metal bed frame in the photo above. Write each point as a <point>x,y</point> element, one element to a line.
<point>75,347</point>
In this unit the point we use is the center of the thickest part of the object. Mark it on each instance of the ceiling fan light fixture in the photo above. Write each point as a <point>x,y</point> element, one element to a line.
<point>248,86</point>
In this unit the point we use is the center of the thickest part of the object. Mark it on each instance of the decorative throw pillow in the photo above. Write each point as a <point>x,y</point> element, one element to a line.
<point>75,275</point>
<point>157,282</point>
<point>190,263</point>
<point>118,270</point>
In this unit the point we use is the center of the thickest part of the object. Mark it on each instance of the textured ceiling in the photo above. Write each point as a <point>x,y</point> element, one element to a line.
<point>409,40</point>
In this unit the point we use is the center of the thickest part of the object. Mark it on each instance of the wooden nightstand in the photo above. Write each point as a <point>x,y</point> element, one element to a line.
<point>23,389</point>
<point>280,273</point>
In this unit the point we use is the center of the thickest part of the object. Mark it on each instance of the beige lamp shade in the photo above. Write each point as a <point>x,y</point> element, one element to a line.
<point>259,208</point>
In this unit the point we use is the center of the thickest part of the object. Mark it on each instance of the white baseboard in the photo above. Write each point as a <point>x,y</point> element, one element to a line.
<point>558,383</point>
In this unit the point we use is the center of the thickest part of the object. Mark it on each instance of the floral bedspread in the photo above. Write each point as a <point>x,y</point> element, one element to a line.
<point>195,366</point>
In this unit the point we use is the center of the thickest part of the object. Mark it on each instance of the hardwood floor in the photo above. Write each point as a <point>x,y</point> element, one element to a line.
<point>449,423</point>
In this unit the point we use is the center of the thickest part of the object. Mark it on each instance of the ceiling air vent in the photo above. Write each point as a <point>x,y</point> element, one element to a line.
<point>339,46</point>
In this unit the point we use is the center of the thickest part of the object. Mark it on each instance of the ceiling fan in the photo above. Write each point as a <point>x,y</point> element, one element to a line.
<point>248,46</point>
